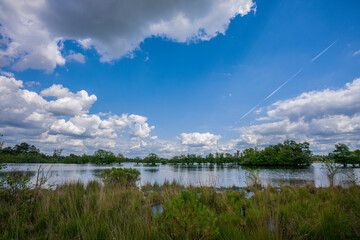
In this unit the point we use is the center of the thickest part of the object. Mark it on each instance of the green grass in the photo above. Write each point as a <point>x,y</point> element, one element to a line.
<point>97,211</point>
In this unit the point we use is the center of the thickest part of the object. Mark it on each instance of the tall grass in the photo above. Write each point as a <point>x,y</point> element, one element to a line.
<point>104,211</point>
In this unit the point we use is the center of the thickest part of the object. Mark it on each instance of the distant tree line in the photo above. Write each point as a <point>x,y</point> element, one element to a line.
<point>288,153</point>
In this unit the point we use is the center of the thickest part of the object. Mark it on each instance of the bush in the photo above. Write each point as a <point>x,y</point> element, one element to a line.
<point>123,176</point>
<point>15,182</point>
<point>185,217</point>
<point>253,179</point>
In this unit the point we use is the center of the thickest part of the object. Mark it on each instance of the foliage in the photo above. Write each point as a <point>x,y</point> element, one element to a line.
<point>185,217</point>
<point>103,156</point>
<point>73,211</point>
<point>253,178</point>
<point>332,169</point>
<point>289,153</point>
<point>124,176</point>
<point>341,154</point>
<point>152,159</point>
<point>15,182</point>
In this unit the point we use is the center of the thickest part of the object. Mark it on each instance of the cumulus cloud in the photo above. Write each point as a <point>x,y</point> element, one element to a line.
<point>27,116</point>
<point>33,32</point>
<point>67,103</point>
<point>321,117</point>
<point>199,139</point>
<point>315,104</point>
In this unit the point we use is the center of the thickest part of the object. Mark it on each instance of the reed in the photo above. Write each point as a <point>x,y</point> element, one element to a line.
<point>108,211</point>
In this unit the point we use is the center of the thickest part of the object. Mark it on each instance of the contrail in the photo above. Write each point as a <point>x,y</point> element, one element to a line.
<point>251,110</point>
<point>293,76</point>
<point>323,52</point>
<point>282,85</point>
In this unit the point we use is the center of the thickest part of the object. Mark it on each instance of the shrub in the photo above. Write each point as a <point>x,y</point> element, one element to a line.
<point>185,217</point>
<point>15,182</point>
<point>332,169</point>
<point>123,176</point>
<point>253,179</point>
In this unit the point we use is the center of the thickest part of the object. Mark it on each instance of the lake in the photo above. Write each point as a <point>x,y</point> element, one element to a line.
<point>205,175</point>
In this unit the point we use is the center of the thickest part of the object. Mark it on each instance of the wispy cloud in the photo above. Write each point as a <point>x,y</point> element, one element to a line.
<point>317,56</point>
<point>356,53</point>
<point>7,74</point>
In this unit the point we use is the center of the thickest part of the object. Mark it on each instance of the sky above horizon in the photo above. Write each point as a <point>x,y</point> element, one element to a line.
<point>176,77</point>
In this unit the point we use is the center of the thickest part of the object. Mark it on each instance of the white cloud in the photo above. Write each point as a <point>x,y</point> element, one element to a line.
<point>67,103</point>
<point>317,104</point>
<point>33,31</point>
<point>199,139</point>
<point>7,74</point>
<point>56,90</point>
<point>78,57</point>
<point>27,116</point>
<point>322,118</point>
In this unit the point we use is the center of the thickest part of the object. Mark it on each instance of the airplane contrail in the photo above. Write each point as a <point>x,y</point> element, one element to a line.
<point>282,85</point>
<point>251,110</point>
<point>316,57</point>
<point>293,76</point>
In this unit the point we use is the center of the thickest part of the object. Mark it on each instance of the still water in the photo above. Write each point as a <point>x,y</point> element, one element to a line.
<point>206,175</point>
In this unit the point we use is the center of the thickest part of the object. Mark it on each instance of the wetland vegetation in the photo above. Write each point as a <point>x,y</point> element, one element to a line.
<point>117,209</point>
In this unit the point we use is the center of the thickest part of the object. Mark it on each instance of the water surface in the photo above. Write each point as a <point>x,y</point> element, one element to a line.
<point>206,175</point>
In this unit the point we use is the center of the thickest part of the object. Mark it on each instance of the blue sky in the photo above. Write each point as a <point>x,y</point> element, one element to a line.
<point>192,83</point>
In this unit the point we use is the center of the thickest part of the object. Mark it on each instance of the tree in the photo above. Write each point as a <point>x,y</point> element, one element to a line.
<point>22,148</point>
<point>137,160</point>
<point>1,143</point>
<point>34,150</point>
<point>57,153</point>
<point>355,157</point>
<point>152,158</point>
<point>103,156</point>
<point>341,154</point>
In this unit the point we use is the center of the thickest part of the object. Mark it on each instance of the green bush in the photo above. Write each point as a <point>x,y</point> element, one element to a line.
<point>185,217</point>
<point>15,182</point>
<point>123,176</point>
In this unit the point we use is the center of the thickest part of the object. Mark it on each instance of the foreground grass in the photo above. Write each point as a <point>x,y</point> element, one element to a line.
<point>73,211</point>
